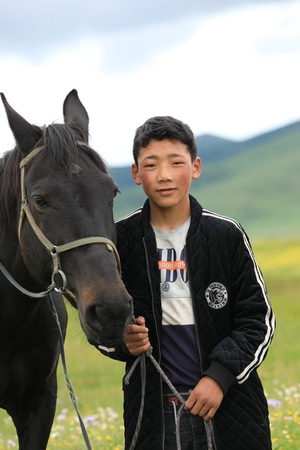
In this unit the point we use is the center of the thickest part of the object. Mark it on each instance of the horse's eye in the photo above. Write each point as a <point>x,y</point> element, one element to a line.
<point>40,202</point>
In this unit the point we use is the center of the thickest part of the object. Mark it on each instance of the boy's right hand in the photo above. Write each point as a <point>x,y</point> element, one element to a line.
<point>136,337</point>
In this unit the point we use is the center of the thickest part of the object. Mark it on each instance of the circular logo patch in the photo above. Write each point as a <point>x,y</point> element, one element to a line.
<point>216,295</point>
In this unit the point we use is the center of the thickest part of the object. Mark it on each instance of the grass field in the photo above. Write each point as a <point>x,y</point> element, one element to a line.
<point>97,380</point>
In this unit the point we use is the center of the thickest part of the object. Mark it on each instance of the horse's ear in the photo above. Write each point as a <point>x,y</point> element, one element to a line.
<point>76,114</point>
<point>26,135</point>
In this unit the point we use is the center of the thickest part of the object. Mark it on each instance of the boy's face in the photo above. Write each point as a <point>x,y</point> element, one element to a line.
<point>165,170</point>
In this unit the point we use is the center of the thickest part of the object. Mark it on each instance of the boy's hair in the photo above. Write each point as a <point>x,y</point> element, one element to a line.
<point>163,127</point>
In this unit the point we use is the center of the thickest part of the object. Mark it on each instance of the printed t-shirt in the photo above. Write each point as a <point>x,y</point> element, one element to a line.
<point>180,357</point>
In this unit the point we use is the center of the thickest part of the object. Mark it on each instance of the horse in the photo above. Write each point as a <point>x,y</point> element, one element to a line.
<point>57,236</point>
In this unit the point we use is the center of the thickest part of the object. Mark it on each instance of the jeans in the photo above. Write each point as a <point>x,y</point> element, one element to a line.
<point>191,428</point>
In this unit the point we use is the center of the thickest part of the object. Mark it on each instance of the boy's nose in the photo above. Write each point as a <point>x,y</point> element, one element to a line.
<point>164,174</point>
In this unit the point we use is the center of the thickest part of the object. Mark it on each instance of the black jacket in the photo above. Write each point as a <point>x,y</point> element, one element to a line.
<point>234,325</point>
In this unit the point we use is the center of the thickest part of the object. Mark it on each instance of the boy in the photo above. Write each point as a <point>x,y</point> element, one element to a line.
<point>200,302</point>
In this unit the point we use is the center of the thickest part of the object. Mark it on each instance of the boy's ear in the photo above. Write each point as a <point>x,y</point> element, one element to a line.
<point>197,168</point>
<point>135,174</point>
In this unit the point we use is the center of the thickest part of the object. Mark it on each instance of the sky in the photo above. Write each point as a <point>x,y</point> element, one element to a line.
<point>230,68</point>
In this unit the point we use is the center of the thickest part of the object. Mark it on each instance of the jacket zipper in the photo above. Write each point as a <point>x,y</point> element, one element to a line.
<point>155,321</point>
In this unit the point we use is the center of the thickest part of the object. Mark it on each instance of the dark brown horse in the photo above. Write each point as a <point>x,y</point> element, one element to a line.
<point>56,234</point>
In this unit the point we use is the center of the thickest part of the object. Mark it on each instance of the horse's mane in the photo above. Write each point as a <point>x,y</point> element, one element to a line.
<point>62,144</point>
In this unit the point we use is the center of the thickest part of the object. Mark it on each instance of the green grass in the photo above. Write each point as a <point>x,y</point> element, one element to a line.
<point>280,263</point>
<point>97,380</point>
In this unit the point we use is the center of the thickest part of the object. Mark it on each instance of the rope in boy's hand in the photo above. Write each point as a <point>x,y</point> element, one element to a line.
<point>141,359</point>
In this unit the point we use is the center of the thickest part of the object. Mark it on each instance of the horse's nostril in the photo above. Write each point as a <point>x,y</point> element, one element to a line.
<point>107,319</point>
<point>94,315</point>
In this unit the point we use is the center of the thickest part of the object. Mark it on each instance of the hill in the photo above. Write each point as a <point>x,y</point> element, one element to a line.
<point>255,181</point>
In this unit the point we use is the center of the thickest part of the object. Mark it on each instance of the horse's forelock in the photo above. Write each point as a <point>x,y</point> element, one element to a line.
<point>63,142</point>
<point>60,145</point>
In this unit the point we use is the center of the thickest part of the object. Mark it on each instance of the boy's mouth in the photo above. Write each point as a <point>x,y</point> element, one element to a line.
<point>166,191</point>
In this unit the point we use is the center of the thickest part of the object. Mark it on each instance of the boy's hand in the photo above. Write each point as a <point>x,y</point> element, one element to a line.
<point>136,337</point>
<point>205,398</point>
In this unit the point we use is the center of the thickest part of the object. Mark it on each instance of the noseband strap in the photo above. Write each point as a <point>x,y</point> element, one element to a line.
<point>55,250</point>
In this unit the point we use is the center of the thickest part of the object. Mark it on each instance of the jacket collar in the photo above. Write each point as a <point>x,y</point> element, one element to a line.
<point>196,213</point>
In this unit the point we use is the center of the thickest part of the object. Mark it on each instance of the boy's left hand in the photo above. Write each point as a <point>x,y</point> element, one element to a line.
<point>205,398</point>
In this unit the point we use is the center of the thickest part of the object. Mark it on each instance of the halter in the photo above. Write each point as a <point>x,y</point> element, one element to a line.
<point>55,250</point>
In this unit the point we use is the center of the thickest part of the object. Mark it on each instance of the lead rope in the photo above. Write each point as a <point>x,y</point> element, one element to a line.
<point>141,359</point>
<point>68,382</point>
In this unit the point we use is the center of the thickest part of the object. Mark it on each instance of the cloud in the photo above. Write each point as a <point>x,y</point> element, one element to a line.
<point>33,29</point>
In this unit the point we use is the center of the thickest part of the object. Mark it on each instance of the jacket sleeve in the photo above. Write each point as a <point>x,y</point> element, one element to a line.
<point>252,320</point>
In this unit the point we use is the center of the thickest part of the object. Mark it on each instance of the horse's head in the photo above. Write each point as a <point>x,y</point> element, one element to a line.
<point>66,227</point>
